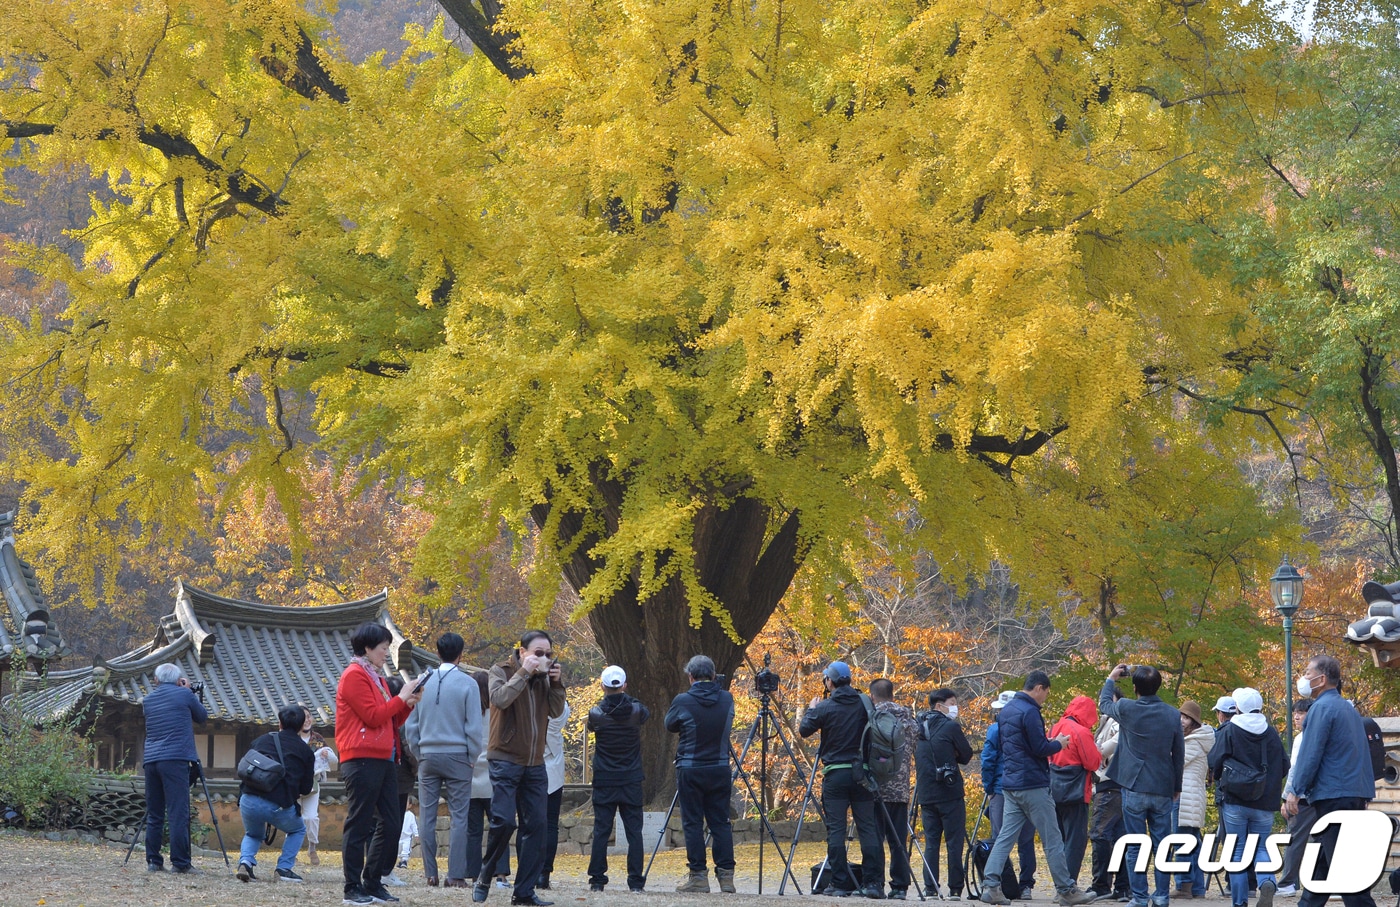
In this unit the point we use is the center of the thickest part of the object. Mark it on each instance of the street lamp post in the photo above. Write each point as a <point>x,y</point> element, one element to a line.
<point>1286,589</point>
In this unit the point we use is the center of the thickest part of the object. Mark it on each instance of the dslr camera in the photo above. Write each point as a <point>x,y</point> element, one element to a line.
<point>197,688</point>
<point>946,774</point>
<point>765,682</point>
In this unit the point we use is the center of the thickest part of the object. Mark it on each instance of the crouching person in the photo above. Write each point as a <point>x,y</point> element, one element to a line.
<point>278,807</point>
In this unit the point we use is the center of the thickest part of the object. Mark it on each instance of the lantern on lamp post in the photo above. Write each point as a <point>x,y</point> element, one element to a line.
<point>1286,589</point>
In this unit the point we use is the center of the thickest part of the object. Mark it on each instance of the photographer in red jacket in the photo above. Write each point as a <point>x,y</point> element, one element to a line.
<point>367,722</point>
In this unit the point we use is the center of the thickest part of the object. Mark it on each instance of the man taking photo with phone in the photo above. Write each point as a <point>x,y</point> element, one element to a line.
<point>526,691</point>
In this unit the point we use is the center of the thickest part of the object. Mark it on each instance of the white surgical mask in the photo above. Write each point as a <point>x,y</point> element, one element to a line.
<point>1304,688</point>
<point>953,712</point>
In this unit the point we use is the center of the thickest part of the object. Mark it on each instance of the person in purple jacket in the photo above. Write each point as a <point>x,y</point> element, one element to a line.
<point>172,710</point>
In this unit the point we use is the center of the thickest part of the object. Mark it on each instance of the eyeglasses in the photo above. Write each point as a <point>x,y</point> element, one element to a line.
<point>541,653</point>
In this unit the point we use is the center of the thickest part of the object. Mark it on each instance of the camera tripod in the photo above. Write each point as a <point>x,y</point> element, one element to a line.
<point>196,770</point>
<point>763,723</point>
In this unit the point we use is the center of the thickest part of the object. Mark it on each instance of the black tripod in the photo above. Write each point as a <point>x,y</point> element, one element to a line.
<point>763,723</point>
<point>196,771</point>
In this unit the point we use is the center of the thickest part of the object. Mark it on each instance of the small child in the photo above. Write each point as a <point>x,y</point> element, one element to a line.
<point>410,831</point>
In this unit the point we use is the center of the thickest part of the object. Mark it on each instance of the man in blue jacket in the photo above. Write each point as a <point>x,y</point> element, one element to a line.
<point>171,709</point>
<point>1334,766</point>
<point>1025,785</point>
<point>996,803</point>
<point>703,717</point>
<point>1150,759</point>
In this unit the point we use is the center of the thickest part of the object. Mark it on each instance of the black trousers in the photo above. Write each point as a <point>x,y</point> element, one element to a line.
<point>518,791</point>
<point>945,821</point>
<point>894,831</point>
<point>477,816</point>
<point>552,804</point>
<point>703,793</point>
<point>841,795</point>
<point>1105,828</point>
<point>1328,839</point>
<point>390,850</point>
<point>372,792</point>
<point>608,802</point>
<point>1073,819</point>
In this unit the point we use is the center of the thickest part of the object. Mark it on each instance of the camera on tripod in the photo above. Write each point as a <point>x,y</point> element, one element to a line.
<point>197,688</point>
<point>766,682</point>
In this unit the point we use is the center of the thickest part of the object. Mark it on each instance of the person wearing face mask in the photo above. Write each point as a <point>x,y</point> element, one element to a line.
<point>942,747</point>
<point>1334,766</point>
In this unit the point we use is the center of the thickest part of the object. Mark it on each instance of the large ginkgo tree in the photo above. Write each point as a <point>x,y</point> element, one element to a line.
<point>692,289</point>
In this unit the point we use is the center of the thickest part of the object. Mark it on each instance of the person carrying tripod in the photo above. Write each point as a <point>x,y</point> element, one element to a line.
<point>841,717</point>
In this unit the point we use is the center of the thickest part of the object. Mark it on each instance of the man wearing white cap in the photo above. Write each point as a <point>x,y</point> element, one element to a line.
<point>616,723</point>
<point>1225,709</point>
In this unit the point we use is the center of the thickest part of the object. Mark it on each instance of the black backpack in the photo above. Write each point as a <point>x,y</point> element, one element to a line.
<point>1376,743</point>
<point>1010,883</point>
<point>882,743</point>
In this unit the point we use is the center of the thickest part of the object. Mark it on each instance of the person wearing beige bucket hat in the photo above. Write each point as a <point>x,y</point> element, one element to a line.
<point>1189,813</point>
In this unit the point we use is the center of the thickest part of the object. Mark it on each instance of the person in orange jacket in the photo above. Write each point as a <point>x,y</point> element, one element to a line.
<point>1079,759</point>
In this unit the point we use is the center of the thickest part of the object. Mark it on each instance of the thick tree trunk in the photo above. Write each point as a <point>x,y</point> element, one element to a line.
<point>741,562</point>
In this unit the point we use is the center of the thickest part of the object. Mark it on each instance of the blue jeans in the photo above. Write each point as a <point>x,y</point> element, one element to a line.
<point>258,813</point>
<point>1036,807</point>
<point>168,796</point>
<point>1242,821</point>
<point>1149,814</point>
<point>1196,878</point>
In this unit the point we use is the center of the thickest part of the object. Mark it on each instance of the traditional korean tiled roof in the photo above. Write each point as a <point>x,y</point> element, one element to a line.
<point>252,658</point>
<point>1379,631</point>
<point>27,626</point>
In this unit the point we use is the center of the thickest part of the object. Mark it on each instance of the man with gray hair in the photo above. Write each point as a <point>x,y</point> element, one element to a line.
<point>703,717</point>
<point>172,709</point>
<point>1334,767</point>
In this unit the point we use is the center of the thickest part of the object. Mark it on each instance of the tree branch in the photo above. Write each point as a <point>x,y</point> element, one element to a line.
<point>480,26</point>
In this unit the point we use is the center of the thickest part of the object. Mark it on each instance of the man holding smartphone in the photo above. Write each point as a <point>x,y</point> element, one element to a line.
<point>525,691</point>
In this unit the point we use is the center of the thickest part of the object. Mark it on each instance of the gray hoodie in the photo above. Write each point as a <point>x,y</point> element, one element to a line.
<point>448,718</point>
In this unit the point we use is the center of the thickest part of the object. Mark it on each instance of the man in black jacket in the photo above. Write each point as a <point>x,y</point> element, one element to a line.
<point>703,716</point>
<point>938,787</point>
<point>278,807</point>
<point>841,717</point>
<point>616,723</point>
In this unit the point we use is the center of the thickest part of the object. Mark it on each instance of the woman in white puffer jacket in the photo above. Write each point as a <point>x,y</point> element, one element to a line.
<point>1190,810</point>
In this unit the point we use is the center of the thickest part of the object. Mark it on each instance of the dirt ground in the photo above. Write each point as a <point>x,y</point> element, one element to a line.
<point>40,873</point>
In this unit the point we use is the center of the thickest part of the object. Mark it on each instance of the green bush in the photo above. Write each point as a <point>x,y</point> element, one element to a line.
<point>44,772</point>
